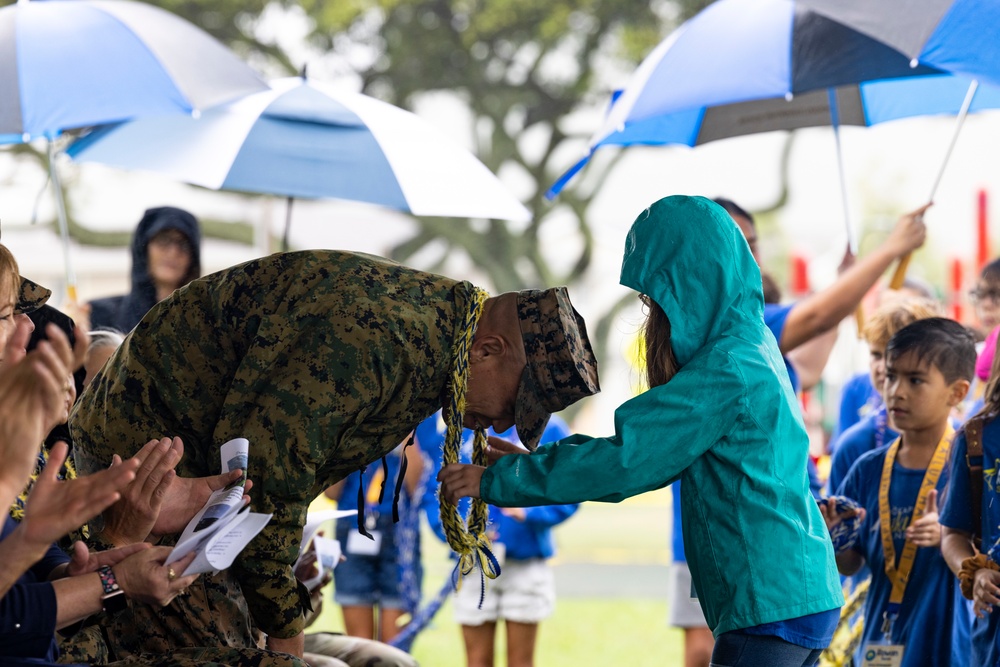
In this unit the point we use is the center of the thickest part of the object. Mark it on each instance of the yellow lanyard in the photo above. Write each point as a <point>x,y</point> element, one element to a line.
<point>899,575</point>
<point>375,487</point>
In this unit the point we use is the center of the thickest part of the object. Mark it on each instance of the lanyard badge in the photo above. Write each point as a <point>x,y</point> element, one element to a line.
<point>882,655</point>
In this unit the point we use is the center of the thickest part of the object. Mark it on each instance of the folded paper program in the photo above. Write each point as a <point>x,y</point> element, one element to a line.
<point>224,526</point>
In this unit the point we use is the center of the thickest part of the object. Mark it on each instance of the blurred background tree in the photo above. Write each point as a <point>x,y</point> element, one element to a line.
<point>522,68</point>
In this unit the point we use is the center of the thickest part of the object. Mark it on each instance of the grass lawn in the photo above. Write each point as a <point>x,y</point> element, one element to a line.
<point>612,605</point>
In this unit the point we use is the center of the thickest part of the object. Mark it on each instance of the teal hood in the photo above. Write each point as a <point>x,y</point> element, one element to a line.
<point>678,238</point>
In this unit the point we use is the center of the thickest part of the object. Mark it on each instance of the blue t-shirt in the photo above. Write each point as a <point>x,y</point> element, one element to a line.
<point>867,435</point>
<point>677,535</point>
<point>956,513</point>
<point>857,398</point>
<point>775,316</point>
<point>928,612</point>
<point>813,631</point>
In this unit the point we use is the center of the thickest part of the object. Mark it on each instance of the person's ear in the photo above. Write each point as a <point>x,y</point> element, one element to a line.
<point>957,392</point>
<point>487,346</point>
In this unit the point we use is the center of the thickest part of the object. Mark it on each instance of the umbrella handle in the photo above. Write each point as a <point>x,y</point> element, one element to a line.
<point>900,274</point>
<point>859,319</point>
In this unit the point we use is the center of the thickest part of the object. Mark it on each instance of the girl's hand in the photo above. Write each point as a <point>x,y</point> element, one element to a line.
<point>460,480</point>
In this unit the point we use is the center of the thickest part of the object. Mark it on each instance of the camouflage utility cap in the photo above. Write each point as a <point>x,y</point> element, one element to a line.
<point>31,297</point>
<point>561,367</point>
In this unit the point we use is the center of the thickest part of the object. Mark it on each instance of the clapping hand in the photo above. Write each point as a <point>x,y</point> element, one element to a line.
<point>132,518</point>
<point>56,507</point>
<point>33,392</point>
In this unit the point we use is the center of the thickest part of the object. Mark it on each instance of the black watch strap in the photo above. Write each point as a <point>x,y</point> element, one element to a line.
<point>113,600</point>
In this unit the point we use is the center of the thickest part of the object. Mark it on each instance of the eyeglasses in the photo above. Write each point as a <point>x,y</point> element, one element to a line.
<point>978,295</point>
<point>163,242</point>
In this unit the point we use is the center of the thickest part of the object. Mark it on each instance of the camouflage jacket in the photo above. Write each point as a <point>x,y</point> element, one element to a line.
<point>323,360</point>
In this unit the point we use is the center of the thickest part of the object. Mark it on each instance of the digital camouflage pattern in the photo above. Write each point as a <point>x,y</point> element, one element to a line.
<point>560,366</point>
<point>31,297</point>
<point>323,360</point>
<point>90,646</point>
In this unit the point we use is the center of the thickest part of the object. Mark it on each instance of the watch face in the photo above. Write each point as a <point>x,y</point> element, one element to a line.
<point>115,602</point>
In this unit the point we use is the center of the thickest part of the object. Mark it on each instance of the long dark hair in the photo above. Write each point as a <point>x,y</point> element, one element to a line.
<point>661,364</point>
<point>991,396</point>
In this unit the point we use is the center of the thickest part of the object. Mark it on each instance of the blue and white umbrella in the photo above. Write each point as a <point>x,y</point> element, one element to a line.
<point>742,50</point>
<point>305,139</point>
<point>745,66</point>
<point>864,104</point>
<point>959,36</point>
<point>67,64</point>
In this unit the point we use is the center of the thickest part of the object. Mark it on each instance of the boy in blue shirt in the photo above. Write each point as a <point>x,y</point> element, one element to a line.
<point>970,521</point>
<point>875,431</point>
<point>911,607</point>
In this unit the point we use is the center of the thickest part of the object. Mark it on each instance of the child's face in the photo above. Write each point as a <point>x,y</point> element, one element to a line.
<point>876,367</point>
<point>917,395</point>
<point>986,299</point>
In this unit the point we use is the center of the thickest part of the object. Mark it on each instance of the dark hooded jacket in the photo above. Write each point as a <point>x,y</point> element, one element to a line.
<point>727,424</point>
<point>124,312</point>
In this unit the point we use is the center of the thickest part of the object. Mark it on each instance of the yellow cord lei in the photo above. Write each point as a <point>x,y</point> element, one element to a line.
<point>467,538</point>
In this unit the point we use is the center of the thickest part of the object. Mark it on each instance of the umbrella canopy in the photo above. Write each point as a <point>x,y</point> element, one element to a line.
<point>739,50</point>
<point>863,104</point>
<point>746,66</point>
<point>302,138</point>
<point>73,63</point>
<point>956,35</point>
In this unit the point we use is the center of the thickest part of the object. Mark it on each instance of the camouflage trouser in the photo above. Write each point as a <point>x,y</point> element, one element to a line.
<point>214,657</point>
<point>198,657</point>
<point>212,617</point>
<point>329,650</point>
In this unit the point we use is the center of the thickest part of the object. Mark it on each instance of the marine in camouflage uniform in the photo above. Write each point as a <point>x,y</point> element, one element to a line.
<point>324,361</point>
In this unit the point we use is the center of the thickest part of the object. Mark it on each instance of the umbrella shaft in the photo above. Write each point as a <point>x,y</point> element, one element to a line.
<point>963,112</point>
<point>63,223</point>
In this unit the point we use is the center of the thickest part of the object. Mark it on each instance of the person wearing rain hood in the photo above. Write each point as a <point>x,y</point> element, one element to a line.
<point>166,255</point>
<point>719,415</point>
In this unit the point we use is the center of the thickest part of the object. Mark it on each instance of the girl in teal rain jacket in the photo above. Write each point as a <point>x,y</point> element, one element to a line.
<point>720,415</point>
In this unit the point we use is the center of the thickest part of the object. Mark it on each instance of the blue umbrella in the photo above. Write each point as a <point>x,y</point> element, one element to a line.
<point>959,36</point>
<point>303,138</point>
<point>67,64</point>
<point>745,66</point>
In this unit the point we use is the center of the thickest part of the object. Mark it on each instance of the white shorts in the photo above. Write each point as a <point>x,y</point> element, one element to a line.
<point>684,610</point>
<point>525,592</point>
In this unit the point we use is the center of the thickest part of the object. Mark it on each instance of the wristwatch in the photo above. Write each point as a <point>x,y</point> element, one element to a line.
<point>114,599</point>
